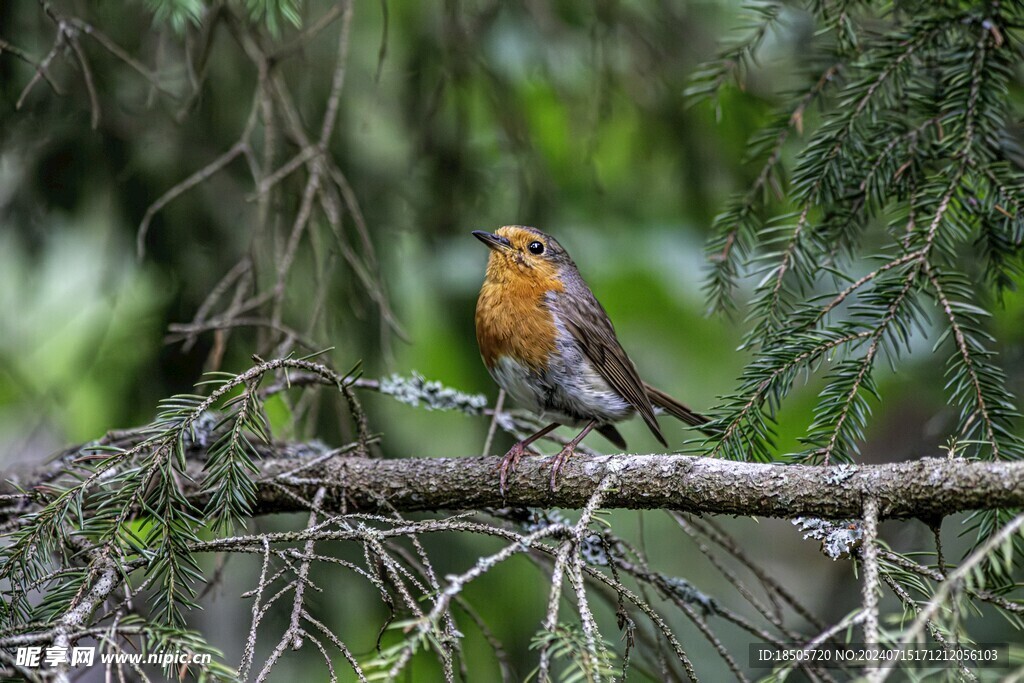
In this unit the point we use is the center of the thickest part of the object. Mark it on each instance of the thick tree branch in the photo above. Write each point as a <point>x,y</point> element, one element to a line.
<point>926,488</point>
<point>923,488</point>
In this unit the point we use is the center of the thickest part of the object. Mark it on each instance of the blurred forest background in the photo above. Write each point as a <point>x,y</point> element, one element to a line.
<point>454,116</point>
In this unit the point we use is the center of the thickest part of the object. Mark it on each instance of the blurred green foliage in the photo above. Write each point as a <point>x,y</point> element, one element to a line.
<point>459,117</point>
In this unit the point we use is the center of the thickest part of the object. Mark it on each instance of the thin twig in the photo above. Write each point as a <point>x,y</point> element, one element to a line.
<point>499,404</point>
<point>951,584</point>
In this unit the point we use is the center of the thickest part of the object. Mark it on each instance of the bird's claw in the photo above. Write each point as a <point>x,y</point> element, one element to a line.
<point>509,463</point>
<point>557,462</point>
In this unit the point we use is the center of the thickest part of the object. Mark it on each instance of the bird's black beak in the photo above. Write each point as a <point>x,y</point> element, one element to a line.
<point>491,240</point>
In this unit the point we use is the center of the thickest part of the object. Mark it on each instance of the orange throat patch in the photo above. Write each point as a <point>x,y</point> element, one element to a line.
<point>512,314</point>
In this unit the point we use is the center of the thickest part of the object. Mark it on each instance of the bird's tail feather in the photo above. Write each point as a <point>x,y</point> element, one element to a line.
<point>612,434</point>
<point>673,407</point>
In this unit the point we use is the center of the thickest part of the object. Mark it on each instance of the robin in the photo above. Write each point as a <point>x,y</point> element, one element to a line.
<point>548,342</point>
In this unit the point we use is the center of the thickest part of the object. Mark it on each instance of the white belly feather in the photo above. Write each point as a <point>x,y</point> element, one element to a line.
<point>571,392</point>
<point>515,379</point>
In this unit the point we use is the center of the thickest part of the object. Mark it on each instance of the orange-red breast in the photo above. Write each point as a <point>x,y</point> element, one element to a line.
<point>547,341</point>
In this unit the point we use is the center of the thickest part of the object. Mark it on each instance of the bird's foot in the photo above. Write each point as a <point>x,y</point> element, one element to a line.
<point>509,463</point>
<point>558,461</point>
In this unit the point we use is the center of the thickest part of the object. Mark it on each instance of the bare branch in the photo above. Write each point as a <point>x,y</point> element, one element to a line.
<point>869,556</point>
<point>39,68</point>
<point>930,487</point>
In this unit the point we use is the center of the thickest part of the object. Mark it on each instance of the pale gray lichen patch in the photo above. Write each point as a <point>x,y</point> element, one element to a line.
<point>717,465</point>
<point>593,551</point>
<point>840,473</point>
<point>541,519</point>
<point>202,431</point>
<point>309,449</point>
<point>432,395</point>
<point>688,593</point>
<point>614,466</point>
<point>838,539</point>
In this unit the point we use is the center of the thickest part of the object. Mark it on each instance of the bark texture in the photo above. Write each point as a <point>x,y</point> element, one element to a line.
<point>923,488</point>
<point>926,488</point>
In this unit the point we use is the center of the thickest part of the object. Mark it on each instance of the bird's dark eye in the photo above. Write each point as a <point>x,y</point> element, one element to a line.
<point>535,248</point>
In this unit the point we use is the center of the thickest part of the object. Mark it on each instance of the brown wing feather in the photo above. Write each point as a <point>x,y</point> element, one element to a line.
<point>588,323</point>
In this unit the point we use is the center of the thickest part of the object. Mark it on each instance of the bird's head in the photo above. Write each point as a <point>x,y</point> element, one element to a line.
<point>519,252</point>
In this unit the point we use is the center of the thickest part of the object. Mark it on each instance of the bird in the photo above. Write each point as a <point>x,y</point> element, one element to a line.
<point>547,341</point>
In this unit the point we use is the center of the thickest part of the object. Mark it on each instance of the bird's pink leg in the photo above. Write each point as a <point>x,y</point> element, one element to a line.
<point>563,455</point>
<point>511,459</point>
